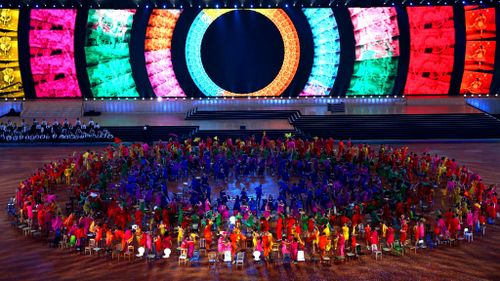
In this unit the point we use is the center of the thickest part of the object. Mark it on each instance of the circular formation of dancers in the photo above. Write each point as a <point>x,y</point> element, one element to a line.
<point>328,200</point>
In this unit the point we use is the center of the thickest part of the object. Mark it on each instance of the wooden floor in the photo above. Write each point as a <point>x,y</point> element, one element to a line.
<point>26,259</point>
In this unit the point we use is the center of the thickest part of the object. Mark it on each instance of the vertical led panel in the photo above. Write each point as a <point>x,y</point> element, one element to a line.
<point>432,44</point>
<point>326,51</point>
<point>479,51</point>
<point>108,55</point>
<point>11,85</point>
<point>286,73</point>
<point>51,36</point>
<point>376,34</point>
<point>158,53</point>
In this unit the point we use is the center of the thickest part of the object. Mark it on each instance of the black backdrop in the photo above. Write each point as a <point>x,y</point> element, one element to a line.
<point>341,84</point>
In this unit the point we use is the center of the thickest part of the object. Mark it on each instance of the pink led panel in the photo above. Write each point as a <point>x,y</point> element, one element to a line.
<point>52,53</point>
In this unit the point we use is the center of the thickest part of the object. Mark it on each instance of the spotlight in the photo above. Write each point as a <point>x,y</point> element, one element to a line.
<point>217,6</point>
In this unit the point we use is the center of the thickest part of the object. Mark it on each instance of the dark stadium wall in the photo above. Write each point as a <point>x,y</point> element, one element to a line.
<point>347,51</point>
<point>24,53</point>
<point>460,39</point>
<point>80,60</point>
<point>404,49</point>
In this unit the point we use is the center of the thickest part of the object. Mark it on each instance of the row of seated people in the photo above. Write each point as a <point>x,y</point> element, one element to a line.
<point>11,132</point>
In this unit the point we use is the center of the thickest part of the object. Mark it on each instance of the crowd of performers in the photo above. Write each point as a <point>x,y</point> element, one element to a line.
<point>333,196</point>
<point>11,132</point>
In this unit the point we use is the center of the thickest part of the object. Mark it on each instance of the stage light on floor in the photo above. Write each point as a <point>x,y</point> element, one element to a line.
<point>159,99</point>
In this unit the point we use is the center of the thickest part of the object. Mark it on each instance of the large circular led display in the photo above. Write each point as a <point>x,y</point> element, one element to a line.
<point>281,81</point>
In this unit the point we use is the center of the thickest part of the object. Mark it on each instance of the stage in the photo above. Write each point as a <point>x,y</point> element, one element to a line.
<point>336,117</point>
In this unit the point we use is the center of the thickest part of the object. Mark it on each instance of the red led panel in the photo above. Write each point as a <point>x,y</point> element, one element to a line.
<point>432,43</point>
